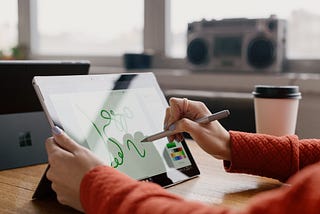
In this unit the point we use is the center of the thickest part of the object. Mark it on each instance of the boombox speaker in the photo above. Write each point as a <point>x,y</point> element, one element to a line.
<point>238,45</point>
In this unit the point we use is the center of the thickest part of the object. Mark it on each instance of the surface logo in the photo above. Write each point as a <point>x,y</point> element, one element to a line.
<point>25,139</point>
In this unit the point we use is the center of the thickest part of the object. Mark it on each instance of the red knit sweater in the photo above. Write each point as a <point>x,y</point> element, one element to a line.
<point>105,190</point>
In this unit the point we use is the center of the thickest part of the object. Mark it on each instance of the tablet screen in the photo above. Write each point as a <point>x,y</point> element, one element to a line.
<point>110,114</point>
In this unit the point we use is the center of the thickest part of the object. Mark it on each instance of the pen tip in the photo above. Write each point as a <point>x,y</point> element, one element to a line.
<point>144,140</point>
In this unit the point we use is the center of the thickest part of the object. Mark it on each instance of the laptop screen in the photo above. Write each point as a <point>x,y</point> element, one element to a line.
<point>16,91</point>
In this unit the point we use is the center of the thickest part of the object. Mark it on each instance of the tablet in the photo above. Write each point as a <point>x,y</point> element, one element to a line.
<point>110,114</point>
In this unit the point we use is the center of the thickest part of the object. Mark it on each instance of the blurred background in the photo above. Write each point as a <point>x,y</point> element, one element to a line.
<point>209,50</point>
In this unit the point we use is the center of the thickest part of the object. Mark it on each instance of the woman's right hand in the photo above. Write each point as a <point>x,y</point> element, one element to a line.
<point>212,137</point>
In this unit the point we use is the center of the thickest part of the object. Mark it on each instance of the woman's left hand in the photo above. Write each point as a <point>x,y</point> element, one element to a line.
<point>69,162</point>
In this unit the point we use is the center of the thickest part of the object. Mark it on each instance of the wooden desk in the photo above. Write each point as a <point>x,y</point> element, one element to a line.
<point>213,186</point>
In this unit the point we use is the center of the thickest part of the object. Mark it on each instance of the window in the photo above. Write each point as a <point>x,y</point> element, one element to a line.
<point>88,27</point>
<point>8,27</point>
<point>303,19</point>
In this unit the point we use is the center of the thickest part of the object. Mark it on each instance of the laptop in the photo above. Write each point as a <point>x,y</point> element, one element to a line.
<point>24,127</point>
<point>111,114</point>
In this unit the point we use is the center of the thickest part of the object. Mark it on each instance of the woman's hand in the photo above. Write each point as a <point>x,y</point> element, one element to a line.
<point>212,137</point>
<point>69,162</point>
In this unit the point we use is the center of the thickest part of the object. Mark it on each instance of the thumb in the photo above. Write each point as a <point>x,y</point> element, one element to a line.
<point>63,140</point>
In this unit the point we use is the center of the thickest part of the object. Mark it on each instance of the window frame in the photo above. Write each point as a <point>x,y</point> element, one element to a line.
<point>156,28</point>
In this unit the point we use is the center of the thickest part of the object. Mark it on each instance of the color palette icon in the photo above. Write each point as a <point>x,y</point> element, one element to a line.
<point>177,154</point>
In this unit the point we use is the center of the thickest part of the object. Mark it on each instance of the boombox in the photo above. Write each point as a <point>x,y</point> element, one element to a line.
<point>238,45</point>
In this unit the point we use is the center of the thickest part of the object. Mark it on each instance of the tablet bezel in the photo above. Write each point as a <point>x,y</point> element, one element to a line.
<point>43,85</point>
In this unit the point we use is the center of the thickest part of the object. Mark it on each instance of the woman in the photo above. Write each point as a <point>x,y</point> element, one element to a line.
<point>83,182</point>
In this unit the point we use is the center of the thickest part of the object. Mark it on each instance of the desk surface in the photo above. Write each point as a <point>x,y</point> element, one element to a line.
<point>213,186</point>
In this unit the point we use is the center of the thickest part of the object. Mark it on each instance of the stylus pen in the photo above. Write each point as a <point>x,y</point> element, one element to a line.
<point>216,116</point>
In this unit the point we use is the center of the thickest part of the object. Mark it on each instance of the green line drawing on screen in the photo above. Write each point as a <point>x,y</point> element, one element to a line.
<point>135,147</point>
<point>120,154</point>
<point>121,124</point>
<point>119,119</point>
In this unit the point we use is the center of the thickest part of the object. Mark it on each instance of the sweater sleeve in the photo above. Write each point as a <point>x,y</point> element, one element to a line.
<point>309,152</point>
<point>105,190</point>
<point>270,156</point>
<point>264,155</point>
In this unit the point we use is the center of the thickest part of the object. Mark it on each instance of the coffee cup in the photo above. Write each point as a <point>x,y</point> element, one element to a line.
<point>276,109</point>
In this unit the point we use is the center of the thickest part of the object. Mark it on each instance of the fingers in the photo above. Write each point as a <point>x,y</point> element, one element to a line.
<point>176,110</point>
<point>55,153</point>
<point>174,113</point>
<point>180,108</point>
<point>178,137</point>
<point>166,118</point>
<point>176,105</point>
<point>63,140</point>
<point>184,108</point>
<point>186,125</point>
<point>51,146</point>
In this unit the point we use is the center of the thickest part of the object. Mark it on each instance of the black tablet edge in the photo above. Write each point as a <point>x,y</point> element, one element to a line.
<point>44,189</point>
